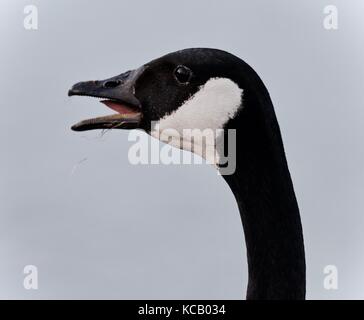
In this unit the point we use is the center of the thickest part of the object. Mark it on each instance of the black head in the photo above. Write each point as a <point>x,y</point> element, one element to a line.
<point>161,86</point>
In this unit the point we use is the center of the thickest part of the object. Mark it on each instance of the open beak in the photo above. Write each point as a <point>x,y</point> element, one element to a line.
<point>118,93</point>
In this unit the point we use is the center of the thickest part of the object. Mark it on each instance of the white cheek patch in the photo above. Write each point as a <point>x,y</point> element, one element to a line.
<point>211,108</point>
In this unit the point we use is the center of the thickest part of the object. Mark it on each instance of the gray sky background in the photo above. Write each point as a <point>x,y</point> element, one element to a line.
<point>108,229</point>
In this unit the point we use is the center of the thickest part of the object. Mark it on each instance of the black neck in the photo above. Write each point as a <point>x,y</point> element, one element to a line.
<point>263,189</point>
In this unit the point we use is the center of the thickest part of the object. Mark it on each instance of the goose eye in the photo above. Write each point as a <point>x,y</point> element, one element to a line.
<point>183,74</point>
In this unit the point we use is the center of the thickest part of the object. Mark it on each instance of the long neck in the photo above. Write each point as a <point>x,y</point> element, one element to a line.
<point>267,203</point>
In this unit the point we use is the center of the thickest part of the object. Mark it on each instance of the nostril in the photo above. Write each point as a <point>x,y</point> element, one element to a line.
<point>111,83</point>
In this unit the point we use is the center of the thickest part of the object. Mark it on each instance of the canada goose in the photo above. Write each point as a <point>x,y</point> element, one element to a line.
<point>209,88</point>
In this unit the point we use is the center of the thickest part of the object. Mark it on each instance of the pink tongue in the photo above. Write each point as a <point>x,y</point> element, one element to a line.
<point>118,107</point>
